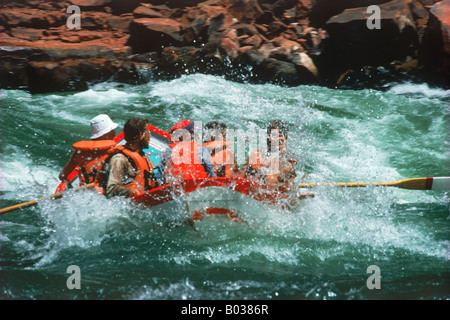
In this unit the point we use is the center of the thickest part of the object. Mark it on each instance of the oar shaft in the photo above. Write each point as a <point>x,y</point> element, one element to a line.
<point>437,183</point>
<point>19,206</point>
<point>338,184</point>
<point>35,202</point>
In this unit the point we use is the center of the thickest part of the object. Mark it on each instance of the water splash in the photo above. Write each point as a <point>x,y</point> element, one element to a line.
<point>318,250</point>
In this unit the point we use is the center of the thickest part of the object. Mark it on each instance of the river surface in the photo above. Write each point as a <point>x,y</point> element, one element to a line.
<point>322,250</point>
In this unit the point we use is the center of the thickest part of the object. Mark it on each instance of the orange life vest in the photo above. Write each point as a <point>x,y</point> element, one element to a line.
<point>144,179</point>
<point>222,157</point>
<point>258,161</point>
<point>184,161</point>
<point>275,169</point>
<point>90,156</point>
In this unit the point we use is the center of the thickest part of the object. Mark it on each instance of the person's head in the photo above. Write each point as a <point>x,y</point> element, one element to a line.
<point>102,127</point>
<point>277,130</point>
<point>214,130</point>
<point>183,130</point>
<point>135,131</point>
<point>180,125</point>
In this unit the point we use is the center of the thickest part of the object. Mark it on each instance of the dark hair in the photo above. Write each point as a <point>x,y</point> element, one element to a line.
<point>280,125</point>
<point>133,127</point>
<point>213,128</point>
<point>282,128</point>
<point>216,125</point>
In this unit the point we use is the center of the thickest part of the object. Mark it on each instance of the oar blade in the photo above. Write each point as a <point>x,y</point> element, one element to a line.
<point>415,184</point>
<point>441,183</point>
<point>429,183</point>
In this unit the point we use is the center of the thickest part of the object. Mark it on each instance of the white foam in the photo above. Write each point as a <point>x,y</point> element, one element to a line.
<point>366,216</point>
<point>25,175</point>
<point>92,96</point>
<point>210,97</point>
<point>419,89</point>
<point>182,290</point>
<point>80,219</point>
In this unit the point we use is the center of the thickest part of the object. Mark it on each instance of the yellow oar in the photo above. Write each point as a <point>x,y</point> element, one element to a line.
<point>34,202</point>
<point>437,183</point>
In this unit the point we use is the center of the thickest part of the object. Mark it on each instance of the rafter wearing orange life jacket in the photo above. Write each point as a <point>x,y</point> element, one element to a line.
<point>143,180</point>
<point>184,161</point>
<point>222,157</point>
<point>275,170</point>
<point>90,156</point>
<point>257,163</point>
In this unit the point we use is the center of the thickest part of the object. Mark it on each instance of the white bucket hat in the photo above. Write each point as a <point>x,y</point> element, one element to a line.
<point>100,125</point>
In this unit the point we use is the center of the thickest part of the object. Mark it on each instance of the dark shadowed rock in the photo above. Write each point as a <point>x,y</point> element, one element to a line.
<point>246,11</point>
<point>153,34</point>
<point>91,4</point>
<point>441,11</point>
<point>120,23</point>
<point>13,64</point>
<point>352,45</point>
<point>323,10</point>
<point>435,50</point>
<point>121,6</point>
<point>279,72</point>
<point>288,42</point>
<point>29,34</point>
<point>175,61</point>
<point>216,31</point>
<point>196,33</point>
<point>146,12</point>
<point>71,74</point>
<point>32,18</point>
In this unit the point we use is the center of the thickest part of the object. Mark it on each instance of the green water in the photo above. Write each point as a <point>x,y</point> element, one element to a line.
<point>319,251</point>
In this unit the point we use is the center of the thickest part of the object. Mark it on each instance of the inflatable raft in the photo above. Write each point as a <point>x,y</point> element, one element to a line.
<point>224,196</point>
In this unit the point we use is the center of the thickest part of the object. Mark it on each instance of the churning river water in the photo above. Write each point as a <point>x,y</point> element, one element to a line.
<point>321,250</point>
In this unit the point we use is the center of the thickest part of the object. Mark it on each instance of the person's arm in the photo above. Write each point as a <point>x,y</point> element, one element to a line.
<point>206,161</point>
<point>231,161</point>
<point>119,170</point>
<point>69,167</point>
<point>165,156</point>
